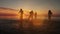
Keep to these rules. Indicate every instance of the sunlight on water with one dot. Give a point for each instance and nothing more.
(37, 25)
(26, 23)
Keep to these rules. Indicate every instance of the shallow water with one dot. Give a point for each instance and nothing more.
(38, 26)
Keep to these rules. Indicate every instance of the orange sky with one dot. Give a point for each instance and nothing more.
(11, 13)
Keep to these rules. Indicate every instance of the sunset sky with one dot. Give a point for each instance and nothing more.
(31, 4)
(40, 6)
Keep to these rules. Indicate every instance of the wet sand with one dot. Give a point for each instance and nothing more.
(46, 27)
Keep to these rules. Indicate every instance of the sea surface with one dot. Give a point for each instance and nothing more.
(35, 26)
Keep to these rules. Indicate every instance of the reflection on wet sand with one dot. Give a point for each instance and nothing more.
(38, 26)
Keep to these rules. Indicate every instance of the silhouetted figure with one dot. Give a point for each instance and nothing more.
(21, 19)
(49, 15)
(21, 14)
(31, 15)
(31, 20)
(35, 15)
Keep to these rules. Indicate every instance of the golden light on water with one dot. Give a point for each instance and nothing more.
(36, 22)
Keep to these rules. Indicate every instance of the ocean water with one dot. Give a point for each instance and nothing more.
(37, 26)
